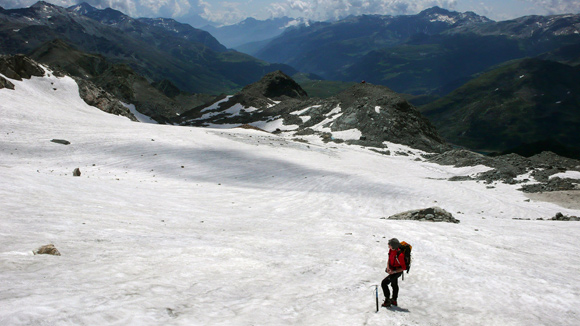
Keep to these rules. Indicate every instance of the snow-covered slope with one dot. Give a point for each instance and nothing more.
(188, 226)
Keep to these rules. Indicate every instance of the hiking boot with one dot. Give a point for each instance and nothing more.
(387, 303)
(393, 302)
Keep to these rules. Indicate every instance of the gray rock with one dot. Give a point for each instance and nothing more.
(433, 214)
(561, 217)
(76, 172)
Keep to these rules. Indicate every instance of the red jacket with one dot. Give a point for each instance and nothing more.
(396, 260)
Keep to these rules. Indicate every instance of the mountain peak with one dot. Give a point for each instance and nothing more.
(435, 11)
(435, 14)
(82, 8)
(43, 4)
(275, 85)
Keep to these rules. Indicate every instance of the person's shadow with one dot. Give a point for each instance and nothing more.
(396, 308)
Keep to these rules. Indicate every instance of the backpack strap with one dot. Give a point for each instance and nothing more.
(397, 259)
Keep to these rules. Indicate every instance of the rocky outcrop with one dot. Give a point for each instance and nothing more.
(365, 114)
(19, 67)
(276, 86)
(5, 83)
(104, 84)
(383, 115)
(558, 217)
(562, 217)
(432, 214)
(507, 168)
(98, 97)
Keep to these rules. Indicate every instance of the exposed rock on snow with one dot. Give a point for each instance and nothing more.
(98, 97)
(49, 249)
(561, 217)
(365, 114)
(19, 67)
(459, 158)
(5, 83)
(507, 168)
(432, 214)
(60, 141)
(554, 184)
(76, 172)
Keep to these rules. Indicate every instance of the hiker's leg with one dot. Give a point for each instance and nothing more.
(395, 285)
(385, 286)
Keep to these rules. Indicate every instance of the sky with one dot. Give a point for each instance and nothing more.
(233, 11)
(180, 226)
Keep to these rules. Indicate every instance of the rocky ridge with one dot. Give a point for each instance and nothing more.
(539, 169)
(365, 114)
(20, 67)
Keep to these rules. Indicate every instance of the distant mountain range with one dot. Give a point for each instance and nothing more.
(488, 86)
(432, 52)
(155, 48)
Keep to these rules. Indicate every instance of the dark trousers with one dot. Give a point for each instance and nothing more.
(393, 280)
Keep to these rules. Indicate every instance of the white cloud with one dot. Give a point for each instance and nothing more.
(333, 9)
(232, 11)
(226, 13)
(556, 6)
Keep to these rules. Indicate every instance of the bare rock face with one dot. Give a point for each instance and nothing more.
(275, 85)
(76, 172)
(5, 83)
(19, 67)
(432, 214)
(97, 97)
(49, 249)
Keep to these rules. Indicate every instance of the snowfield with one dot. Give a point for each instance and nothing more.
(175, 225)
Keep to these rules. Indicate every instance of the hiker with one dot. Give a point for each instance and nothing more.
(395, 267)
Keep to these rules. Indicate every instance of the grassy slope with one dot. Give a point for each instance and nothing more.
(525, 101)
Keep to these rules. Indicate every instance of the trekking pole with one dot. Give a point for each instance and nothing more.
(377, 296)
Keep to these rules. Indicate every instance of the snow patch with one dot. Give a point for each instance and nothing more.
(140, 116)
(216, 105)
(271, 126)
(351, 134)
(567, 174)
(300, 112)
